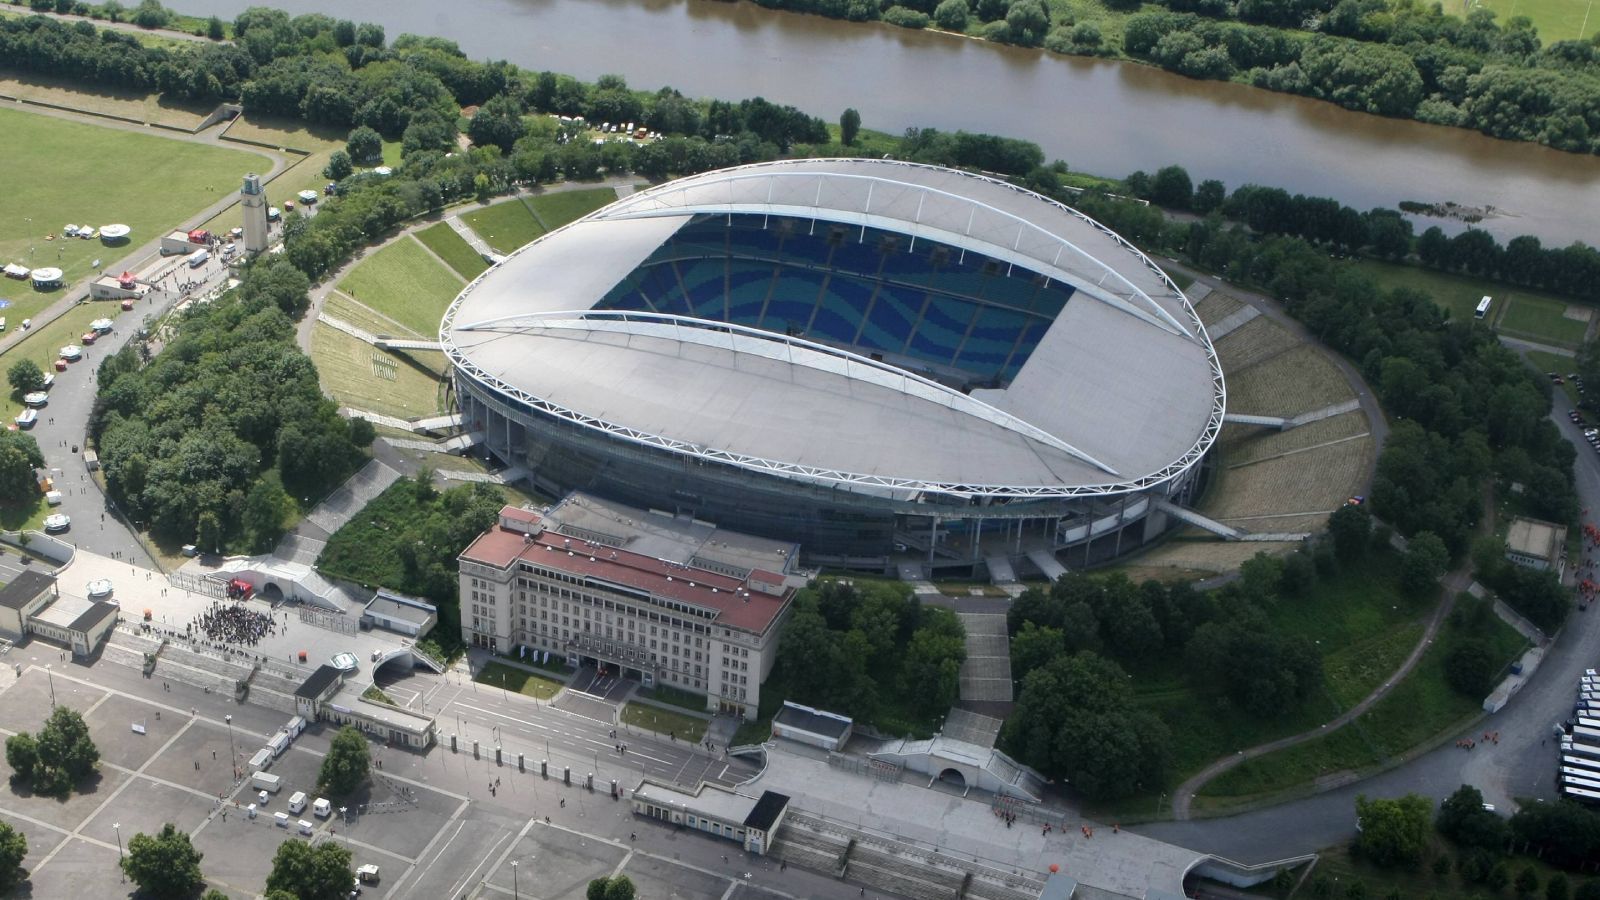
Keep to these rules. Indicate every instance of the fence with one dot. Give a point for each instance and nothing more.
(198, 584)
(327, 620)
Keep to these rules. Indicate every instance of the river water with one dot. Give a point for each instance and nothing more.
(1100, 116)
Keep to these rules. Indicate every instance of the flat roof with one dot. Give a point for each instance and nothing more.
(815, 721)
(392, 608)
(92, 617)
(317, 683)
(1532, 537)
(64, 610)
(707, 799)
(681, 539)
(767, 810)
(25, 588)
(1123, 388)
(348, 698)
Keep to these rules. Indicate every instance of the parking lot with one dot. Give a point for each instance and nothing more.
(438, 825)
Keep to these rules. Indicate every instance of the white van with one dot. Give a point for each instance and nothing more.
(199, 258)
(322, 808)
(297, 802)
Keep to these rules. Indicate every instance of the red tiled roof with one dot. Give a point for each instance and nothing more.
(765, 577)
(755, 612)
(518, 514)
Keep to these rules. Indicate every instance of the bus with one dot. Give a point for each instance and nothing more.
(1483, 307)
(1582, 795)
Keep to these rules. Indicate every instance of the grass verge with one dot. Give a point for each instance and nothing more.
(675, 697)
(522, 681)
(685, 728)
(557, 209)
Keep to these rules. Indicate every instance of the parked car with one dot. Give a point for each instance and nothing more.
(57, 523)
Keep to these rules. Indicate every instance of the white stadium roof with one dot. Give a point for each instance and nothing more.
(1123, 391)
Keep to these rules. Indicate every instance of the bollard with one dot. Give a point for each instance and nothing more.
(566, 775)
(453, 748)
(475, 750)
(588, 782)
(520, 766)
(613, 787)
(497, 754)
(544, 769)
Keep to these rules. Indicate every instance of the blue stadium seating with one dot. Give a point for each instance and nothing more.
(864, 291)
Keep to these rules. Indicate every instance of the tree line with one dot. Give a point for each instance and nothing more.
(215, 439)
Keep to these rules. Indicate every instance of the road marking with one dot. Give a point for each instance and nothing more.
(460, 886)
(622, 863)
(460, 808)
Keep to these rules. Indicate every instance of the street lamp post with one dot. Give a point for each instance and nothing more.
(232, 753)
(52, 679)
(516, 892)
(117, 827)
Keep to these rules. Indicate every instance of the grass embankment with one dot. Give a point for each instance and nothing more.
(362, 376)
(60, 172)
(557, 209)
(406, 283)
(102, 100)
(518, 680)
(1420, 709)
(453, 249)
(1518, 312)
(1361, 622)
(505, 226)
(683, 727)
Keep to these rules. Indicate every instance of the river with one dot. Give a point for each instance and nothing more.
(1100, 116)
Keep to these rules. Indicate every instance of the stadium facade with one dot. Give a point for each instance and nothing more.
(883, 361)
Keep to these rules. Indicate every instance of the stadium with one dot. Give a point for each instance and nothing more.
(889, 363)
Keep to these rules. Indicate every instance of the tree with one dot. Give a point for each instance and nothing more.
(1424, 561)
(1464, 821)
(952, 15)
(22, 755)
(163, 865)
(364, 145)
(13, 848)
(66, 754)
(497, 123)
(19, 457)
(1351, 529)
(311, 873)
(1558, 888)
(1394, 832)
(25, 376)
(1208, 195)
(1527, 882)
(339, 166)
(1469, 667)
(1172, 188)
(849, 125)
(617, 887)
(214, 29)
(347, 762)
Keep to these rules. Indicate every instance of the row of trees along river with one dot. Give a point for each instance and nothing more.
(1100, 116)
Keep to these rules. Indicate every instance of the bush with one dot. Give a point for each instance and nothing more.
(952, 15)
(906, 18)
(1469, 667)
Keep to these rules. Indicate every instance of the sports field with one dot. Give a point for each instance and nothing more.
(1557, 20)
(504, 226)
(406, 283)
(59, 172)
(1544, 319)
(453, 249)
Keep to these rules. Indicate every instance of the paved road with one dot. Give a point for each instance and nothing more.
(1521, 765)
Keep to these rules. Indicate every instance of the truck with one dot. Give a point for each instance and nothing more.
(199, 258)
(266, 781)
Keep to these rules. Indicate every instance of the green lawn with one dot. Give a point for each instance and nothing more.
(360, 375)
(404, 282)
(512, 678)
(505, 226)
(675, 697)
(1557, 20)
(304, 173)
(453, 249)
(556, 210)
(1419, 709)
(1539, 317)
(689, 729)
(1543, 319)
(59, 172)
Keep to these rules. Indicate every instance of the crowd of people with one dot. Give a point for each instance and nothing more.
(234, 623)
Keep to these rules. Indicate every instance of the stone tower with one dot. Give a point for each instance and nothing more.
(254, 202)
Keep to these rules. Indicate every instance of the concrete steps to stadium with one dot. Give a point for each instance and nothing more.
(908, 878)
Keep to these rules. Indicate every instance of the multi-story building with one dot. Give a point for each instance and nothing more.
(662, 599)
